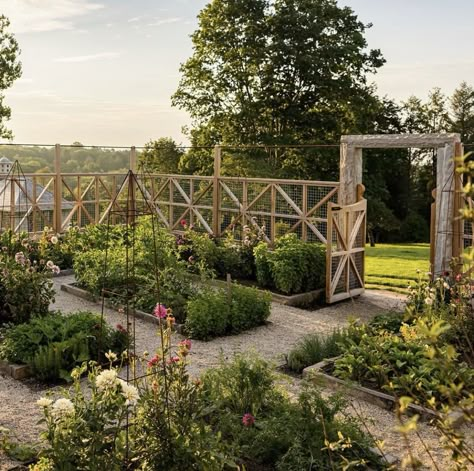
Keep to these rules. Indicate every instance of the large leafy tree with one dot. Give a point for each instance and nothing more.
(462, 112)
(10, 70)
(277, 72)
(161, 156)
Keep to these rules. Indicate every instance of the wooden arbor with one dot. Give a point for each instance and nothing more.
(447, 233)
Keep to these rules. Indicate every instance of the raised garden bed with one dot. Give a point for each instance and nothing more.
(320, 373)
(83, 294)
(296, 300)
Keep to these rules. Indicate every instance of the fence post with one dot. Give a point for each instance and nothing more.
(433, 234)
(216, 192)
(133, 159)
(458, 222)
(58, 213)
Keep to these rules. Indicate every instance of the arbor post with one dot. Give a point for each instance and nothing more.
(350, 173)
(216, 191)
(58, 213)
(133, 159)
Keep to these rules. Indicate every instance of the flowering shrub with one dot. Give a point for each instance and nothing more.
(26, 288)
(53, 345)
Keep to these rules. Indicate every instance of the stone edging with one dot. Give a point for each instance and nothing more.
(380, 399)
(83, 294)
(14, 370)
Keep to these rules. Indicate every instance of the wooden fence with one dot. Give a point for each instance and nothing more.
(213, 204)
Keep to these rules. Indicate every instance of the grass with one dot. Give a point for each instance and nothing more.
(393, 267)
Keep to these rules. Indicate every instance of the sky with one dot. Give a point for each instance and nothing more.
(102, 72)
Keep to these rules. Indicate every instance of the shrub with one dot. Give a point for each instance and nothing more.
(217, 312)
(26, 288)
(249, 308)
(208, 314)
(54, 344)
(390, 321)
(293, 266)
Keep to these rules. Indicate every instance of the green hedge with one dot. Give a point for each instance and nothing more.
(216, 312)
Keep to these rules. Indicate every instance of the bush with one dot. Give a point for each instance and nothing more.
(249, 308)
(214, 312)
(53, 345)
(26, 288)
(268, 431)
(208, 315)
(317, 347)
(293, 266)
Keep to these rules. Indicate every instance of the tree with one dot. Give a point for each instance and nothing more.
(277, 72)
(161, 156)
(10, 70)
(462, 110)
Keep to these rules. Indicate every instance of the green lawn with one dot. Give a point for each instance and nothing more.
(394, 266)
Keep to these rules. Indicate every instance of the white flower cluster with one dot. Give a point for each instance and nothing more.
(62, 408)
(108, 380)
(130, 393)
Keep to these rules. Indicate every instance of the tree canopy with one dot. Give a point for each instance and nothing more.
(277, 72)
(10, 70)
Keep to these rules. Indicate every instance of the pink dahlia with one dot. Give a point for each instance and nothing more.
(160, 311)
(248, 419)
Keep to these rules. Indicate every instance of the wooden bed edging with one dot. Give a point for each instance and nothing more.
(380, 399)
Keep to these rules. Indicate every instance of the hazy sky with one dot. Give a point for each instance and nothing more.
(102, 71)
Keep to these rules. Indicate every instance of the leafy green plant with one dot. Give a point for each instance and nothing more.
(219, 312)
(54, 344)
(269, 431)
(293, 266)
(26, 288)
(208, 314)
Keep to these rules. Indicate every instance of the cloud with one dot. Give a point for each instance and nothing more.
(135, 19)
(165, 21)
(33, 16)
(88, 58)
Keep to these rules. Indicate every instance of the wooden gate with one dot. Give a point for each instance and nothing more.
(345, 251)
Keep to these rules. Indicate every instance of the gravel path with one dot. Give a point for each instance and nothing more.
(287, 325)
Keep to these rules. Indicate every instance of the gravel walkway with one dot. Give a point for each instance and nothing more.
(287, 325)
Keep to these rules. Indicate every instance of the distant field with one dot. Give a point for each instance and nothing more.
(393, 266)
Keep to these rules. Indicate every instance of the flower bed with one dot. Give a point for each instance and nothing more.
(233, 416)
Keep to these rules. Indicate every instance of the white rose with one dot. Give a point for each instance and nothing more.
(54, 240)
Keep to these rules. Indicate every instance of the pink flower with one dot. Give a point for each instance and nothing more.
(20, 258)
(121, 328)
(248, 419)
(183, 222)
(153, 361)
(458, 277)
(174, 359)
(185, 344)
(160, 311)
